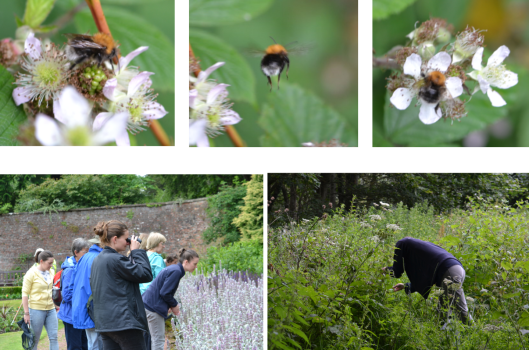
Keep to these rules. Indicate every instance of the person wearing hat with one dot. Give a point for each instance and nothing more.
(75, 338)
(39, 310)
(54, 266)
(81, 292)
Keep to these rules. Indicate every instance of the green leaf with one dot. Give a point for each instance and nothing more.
(524, 319)
(281, 312)
(236, 72)
(293, 116)
(385, 8)
(281, 345)
(37, 11)
(131, 31)
(221, 12)
(511, 295)
(497, 314)
(297, 332)
(11, 116)
(506, 265)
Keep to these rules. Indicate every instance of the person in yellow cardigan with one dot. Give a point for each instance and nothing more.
(35, 257)
(39, 310)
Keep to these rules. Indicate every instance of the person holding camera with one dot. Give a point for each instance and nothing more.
(118, 310)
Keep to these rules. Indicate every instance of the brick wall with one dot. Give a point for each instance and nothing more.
(181, 223)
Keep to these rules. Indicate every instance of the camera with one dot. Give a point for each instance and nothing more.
(128, 240)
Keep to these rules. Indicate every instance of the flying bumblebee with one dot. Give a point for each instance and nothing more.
(276, 58)
(100, 48)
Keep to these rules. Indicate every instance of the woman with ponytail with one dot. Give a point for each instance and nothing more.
(119, 314)
(159, 297)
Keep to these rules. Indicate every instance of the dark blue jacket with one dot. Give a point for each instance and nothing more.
(159, 297)
(68, 266)
(425, 264)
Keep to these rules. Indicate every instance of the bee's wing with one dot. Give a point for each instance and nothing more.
(81, 41)
(253, 52)
(297, 49)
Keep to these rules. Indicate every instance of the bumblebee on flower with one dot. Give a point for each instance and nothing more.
(431, 86)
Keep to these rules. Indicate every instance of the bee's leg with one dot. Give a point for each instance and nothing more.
(269, 82)
(288, 66)
(78, 61)
(437, 108)
(278, 78)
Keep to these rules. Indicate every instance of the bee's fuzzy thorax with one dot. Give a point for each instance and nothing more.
(437, 78)
(275, 49)
(105, 40)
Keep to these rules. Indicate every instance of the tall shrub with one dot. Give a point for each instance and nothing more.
(250, 220)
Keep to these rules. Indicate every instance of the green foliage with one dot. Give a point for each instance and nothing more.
(325, 282)
(250, 220)
(171, 187)
(385, 8)
(36, 12)
(6, 208)
(130, 214)
(34, 228)
(239, 256)
(222, 209)
(11, 116)
(82, 191)
(222, 12)
(10, 290)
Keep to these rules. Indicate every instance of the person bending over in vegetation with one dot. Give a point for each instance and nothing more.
(427, 264)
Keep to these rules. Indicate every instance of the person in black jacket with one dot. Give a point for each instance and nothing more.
(427, 264)
(159, 297)
(118, 311)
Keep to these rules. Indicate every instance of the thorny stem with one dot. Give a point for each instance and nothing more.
(230, 130)
(102, 26)
(388, 60)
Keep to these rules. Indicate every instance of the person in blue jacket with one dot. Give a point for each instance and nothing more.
(81, 292)
(159, 299)
(75, 338)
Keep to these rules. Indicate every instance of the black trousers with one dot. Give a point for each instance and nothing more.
(75, 338)
(130, 339)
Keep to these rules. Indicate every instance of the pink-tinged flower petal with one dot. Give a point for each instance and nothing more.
(57, 112)
(401, 98)
(230, 118)
(108, 89)
(21, 95)
(155, 111)
(193, 94)
(124, 61)
(123, 139)
(440, 62)
(477, 59)
(203, 75)
(215, 92)
(428, 115)
(498, 56)
(100, 120)
(32, 46)
(412, 66)
(138, 81)
(495, 98)
(47, 131)
(307, 144)
(197, 133)
(113, 129)
(454, 86)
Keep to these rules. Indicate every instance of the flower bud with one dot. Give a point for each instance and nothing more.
(426, 50)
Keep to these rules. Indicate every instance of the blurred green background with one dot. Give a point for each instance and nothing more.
(328, 70)
(145, 23)
(506, 23)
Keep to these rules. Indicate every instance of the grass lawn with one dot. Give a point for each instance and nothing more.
(12, 340)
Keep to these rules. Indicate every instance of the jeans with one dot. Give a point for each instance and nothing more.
(48, 319)
(130, 339)
(453, 296)
(75, 338)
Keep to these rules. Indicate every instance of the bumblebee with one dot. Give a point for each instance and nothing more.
(100, 48)
(274, 61)
(433, 88)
